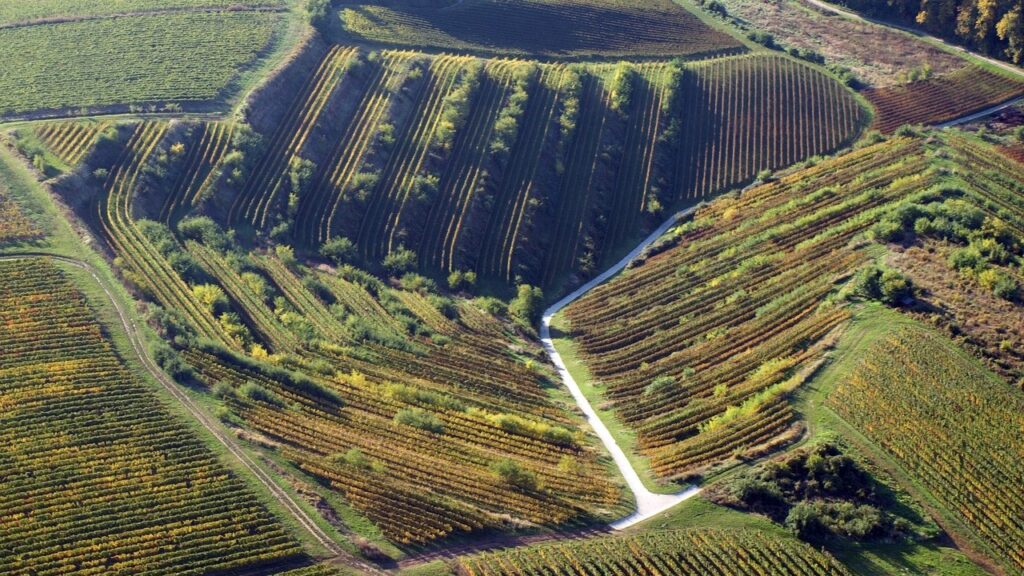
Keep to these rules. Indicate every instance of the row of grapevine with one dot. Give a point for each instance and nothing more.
(578, 179)
(943, 98)
(319, 209)
(204, 153)
(107, 481)
(70, 141)
(572, 200)
(954, 426)
(465, 173)
(635, 181)
(147, 267)
(513, 194)
(262, 189)
(675, 553)
(754, 113)
(475, 406)
(581, 28)
(697, 345)
(403, 174)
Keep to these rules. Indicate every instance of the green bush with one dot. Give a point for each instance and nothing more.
(525, 308)
(257, 393)
(339, 250)
(400, 262)
(419, 418)
(511, 473)
(812, 521)
(1001, 283)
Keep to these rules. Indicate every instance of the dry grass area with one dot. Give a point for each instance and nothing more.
(877, 55)
(988, 326)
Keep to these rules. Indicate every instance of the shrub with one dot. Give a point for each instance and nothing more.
(257, 393)
(419, 418)
(317, 11)
(492, 306)
(459, 280)
(813, 520)
(1000, 283)
(286, 254)
(399, 262)
(339, 250)
(622, 87)
(883, 284)
(967, 259)
(170, 361)
(660, 385)
(510, 472)
(211, 296)
(222, 390)
(526, 307)
(355, 458)
(205, 231)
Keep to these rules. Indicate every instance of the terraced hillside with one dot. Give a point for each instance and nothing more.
(677, 553)
(523, 171)
(99, 477)
(356, 382)
(550, 28)
(698, 346)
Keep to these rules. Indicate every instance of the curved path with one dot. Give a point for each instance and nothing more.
(142, 353)
(648, 503)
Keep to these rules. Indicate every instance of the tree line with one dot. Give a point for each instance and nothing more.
(994, 27)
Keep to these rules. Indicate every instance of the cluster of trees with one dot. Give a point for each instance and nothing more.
(986, 247)
(994, 27)
(818, 493)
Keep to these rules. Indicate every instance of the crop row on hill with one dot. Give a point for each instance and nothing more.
(101, 479)
(185, 58)
(943, 98)
(675, 553)
(521, 170)
(268, 178)
(377, 377)
(699, 345)
(70, 141)
(553, 28)
(953, 425)
(204, 151)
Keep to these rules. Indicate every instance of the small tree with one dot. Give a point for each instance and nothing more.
(399, 262)
(317, 10)
(511, 473)
(339, 250)
(526, 307)
(286, 254)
